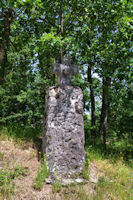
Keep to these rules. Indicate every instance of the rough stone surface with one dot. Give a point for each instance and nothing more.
(63, 140)
(66, 181)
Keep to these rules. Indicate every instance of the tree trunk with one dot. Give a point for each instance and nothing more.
(105, 108)
(7, 19)
(93, 118)
(62, 28)
(54, 79)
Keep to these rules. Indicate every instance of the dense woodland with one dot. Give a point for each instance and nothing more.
(97, 36)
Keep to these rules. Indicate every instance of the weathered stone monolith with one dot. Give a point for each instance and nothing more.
(63, 139)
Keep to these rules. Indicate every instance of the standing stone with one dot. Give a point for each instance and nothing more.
(63, 139)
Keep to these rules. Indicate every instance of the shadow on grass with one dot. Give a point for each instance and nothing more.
(24, 134)
(115, 149)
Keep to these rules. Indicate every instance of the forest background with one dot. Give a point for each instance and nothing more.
(97, 36)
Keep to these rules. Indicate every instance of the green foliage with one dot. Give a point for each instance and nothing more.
(42, 174)
(25, 109)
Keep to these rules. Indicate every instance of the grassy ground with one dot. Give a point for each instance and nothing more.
(110, 176)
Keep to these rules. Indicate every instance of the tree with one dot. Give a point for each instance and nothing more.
(95, 35)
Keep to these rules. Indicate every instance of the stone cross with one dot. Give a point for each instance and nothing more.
(65, 71)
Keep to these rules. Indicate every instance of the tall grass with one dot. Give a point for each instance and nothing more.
(42, 174)
(19, 131)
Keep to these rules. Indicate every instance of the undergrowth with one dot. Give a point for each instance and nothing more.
(20, 132)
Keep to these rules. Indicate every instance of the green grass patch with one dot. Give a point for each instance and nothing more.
(74, 192)
(1, 156)
(7, 181)
(85, 171)
(6, 185)
(42, 174)
(57, 185)
(107, 189)
(117, 181)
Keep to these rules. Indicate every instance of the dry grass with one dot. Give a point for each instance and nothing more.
(27, 159)
(108, 180)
